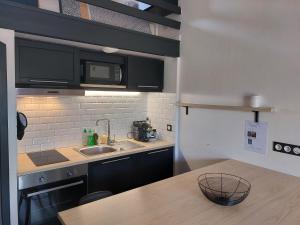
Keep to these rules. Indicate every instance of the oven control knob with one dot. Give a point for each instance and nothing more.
(42, 180)
(69, 174)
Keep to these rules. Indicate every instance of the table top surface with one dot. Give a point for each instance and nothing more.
(274, 199)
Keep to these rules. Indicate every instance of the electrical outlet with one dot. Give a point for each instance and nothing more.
(286, 148)
(169, 127)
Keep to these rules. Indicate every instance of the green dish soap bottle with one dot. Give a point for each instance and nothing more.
(91, 139)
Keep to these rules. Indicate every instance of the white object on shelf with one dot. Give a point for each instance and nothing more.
(256, 101)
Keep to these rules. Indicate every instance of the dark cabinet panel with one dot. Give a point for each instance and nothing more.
(45, 64)
(124, 173)
(145, 74)
(155, 166)
(115, 175)
(27, 2)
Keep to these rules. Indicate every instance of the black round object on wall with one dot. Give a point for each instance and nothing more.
(21, 125)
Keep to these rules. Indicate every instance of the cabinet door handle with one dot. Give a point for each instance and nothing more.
(144, 86)
(156, 152)
(116, 160)
(49, 81)
(55, 188)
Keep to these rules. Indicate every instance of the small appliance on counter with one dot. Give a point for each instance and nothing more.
(143, 131)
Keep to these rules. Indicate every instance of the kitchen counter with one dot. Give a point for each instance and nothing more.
(274, 199)
(26, 166)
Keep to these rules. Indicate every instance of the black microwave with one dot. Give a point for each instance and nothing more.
(102, 74)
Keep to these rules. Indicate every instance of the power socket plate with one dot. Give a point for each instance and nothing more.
(286, 148)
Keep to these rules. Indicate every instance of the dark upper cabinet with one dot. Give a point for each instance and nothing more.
(124, 173)
(145, 74)
(46, 65)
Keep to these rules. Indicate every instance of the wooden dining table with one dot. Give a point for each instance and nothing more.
(274, 199)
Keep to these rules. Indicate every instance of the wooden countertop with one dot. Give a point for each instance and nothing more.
(273, 200)
(26, 166)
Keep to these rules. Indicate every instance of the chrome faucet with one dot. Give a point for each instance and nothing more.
(109, 141)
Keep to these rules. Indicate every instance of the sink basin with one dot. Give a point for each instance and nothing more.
(127, 145)
(97, 150)
(118, 146)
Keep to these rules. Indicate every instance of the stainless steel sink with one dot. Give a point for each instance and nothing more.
(97, 150)
(117, 146)
(127, 145)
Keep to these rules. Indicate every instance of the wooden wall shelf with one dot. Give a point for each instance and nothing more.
(228, 108)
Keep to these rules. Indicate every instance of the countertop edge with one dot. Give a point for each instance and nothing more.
(95, 159)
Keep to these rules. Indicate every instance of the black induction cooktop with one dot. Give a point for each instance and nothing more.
(48, 157)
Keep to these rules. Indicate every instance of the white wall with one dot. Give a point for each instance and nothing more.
(7, 37)
(229, 49)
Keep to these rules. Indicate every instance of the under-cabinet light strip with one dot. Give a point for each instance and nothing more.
(111, 93)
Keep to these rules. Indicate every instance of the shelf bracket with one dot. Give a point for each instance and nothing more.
(256, 116)
(186, 110)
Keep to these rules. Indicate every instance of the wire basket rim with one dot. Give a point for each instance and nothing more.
(204, 176)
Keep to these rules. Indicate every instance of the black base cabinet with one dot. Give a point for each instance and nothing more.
(115, 175)
(155, 166)
(124, 173)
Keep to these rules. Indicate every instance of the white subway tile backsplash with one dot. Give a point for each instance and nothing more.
(59, 121)
(162, 111)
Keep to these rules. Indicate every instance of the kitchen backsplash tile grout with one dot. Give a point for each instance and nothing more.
(59, 121)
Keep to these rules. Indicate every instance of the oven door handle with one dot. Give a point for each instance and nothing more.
(54, 189)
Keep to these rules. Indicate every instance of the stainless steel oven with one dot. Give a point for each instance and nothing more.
(42, 195)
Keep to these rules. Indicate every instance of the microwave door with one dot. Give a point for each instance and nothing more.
(103, 73)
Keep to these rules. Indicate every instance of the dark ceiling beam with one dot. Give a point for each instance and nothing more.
(26, 19)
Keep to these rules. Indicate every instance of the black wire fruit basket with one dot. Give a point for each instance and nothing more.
(224, 189)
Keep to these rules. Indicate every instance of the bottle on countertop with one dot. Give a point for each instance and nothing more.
(96, 137)
(103, 139)
(84, 137)
(91, 139)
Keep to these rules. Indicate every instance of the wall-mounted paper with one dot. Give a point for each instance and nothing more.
(256, 136)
